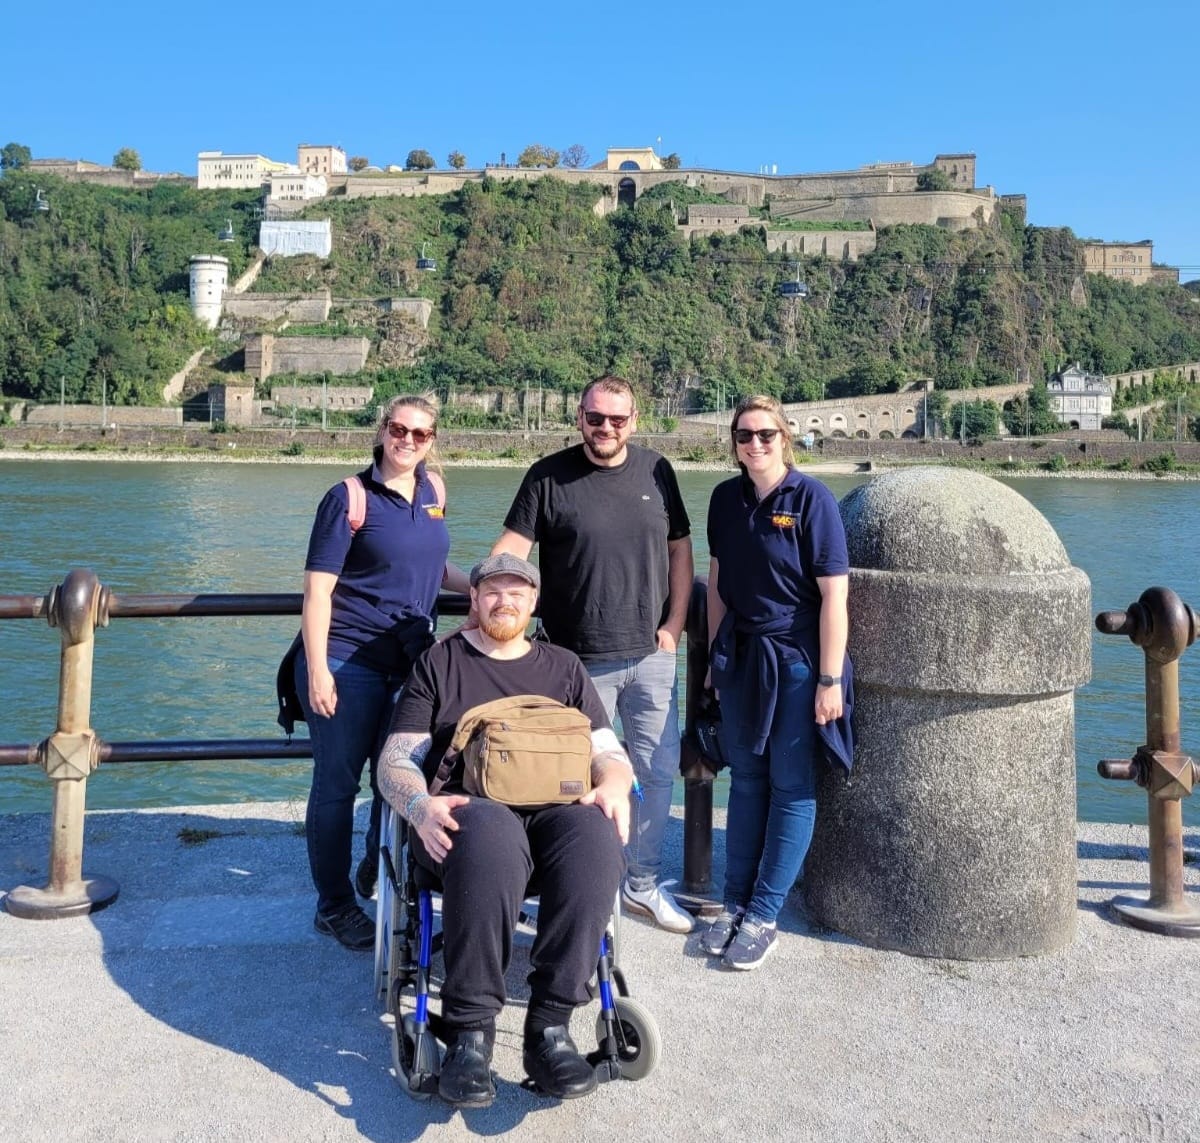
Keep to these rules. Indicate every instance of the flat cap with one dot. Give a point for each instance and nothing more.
(505, 563)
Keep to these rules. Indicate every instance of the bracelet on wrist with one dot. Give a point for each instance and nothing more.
(829, 680)
(412, 803)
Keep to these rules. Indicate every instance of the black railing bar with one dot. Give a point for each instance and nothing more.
(175, 750)
(22, 606)
(151, 606)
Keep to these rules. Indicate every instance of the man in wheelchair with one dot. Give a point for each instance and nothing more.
(486, 853)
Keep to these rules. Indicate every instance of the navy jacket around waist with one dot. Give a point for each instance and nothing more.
(754, 653)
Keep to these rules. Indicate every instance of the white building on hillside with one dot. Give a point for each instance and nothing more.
(296, 188)
(1080, 400)
(213, 169)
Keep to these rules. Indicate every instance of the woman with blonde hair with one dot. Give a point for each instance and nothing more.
(377, 559)
(777, 588)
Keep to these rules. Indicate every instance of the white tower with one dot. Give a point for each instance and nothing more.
(209, 275)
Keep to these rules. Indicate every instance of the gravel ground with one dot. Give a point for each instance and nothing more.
(202, 1006)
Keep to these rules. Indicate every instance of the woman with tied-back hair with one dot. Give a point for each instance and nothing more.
(370, 604)
(777, 588)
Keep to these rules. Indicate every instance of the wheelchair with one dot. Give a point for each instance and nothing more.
(628, 1042)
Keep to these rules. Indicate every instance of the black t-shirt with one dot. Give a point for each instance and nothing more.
(453, 676)
(602, 546)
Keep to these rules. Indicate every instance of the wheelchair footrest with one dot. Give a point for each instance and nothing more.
(605, 1066)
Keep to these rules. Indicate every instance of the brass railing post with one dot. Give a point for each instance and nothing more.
(1164, 627)
(69, 755)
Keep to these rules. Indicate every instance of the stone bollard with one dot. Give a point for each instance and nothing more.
(969, 630)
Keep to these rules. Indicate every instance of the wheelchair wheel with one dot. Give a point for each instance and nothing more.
(638, 1039)
(416, 1071)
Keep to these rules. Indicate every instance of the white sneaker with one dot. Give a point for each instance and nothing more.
(659, 905)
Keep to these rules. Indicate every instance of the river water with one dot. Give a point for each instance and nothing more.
(243, 528)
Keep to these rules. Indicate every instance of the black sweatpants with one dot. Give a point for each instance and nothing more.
(573, 855)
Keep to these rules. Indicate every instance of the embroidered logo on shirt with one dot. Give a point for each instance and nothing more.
(435, 511)
(783, 520)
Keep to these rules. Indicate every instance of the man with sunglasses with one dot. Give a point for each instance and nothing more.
(615, 550)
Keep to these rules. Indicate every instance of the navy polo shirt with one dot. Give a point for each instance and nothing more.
(389, 572)
(772, 551)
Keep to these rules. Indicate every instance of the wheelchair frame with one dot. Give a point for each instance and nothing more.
(628, 1042)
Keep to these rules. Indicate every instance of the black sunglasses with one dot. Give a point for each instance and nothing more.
(597, 419)
(419, 436)
(745, 436)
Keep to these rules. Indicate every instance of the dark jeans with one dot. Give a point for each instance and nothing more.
(342, 746)
(772, 796)
(575, 857)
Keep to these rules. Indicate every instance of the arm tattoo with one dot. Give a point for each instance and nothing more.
(400, 775)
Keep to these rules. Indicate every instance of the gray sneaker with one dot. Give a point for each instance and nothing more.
(751, 946)
(722, 931)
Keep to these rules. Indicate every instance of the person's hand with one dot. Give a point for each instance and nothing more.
(611, 797)
(828, 707)
(433, 819)
(322, 691)
(666, 641)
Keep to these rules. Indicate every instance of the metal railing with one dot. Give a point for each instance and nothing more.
(80, 604)
(1163, 626)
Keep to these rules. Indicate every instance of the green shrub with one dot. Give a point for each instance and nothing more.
(1057, 463)
(218, 427)
(1125, 464)
(1164, 462)
(293, 448)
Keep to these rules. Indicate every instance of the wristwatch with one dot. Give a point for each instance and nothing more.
(829, 680)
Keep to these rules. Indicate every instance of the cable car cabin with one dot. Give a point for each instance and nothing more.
(426, 263)
(793, 290)
(227, 235)
(39, 201)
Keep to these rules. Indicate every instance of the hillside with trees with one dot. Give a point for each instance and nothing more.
(534, 288)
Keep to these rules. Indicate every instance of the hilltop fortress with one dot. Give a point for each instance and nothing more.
(881, 194)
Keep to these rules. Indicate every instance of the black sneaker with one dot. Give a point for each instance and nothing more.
(364, 878)
(349, 926)
(555, 1066)
(466, 1076)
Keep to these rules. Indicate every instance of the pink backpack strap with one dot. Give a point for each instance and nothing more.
(356, 508)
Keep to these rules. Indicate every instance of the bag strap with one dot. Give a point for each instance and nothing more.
(356, 507)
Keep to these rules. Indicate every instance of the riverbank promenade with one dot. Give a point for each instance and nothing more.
(202, 1006)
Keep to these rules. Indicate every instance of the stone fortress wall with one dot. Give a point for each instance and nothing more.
(271, 307)
(885, 193)
(268, 354)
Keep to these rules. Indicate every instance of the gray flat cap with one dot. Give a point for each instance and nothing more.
(506, 564)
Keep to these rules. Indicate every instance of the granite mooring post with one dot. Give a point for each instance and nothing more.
(969, 630)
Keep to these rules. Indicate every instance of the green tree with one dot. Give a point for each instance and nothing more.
(419, 160)
(457, 160)
(982, 420)
(359, 163)
(13, 156)
(127, 159)
(1029, 414)
(934, 179)
(671, 162)
(575, 156)
(537, 155)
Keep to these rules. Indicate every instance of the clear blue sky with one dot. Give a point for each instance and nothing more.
(1087, 108)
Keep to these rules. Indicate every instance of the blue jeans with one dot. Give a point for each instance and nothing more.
(645, 695)
(772, 796)
(342, 745)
